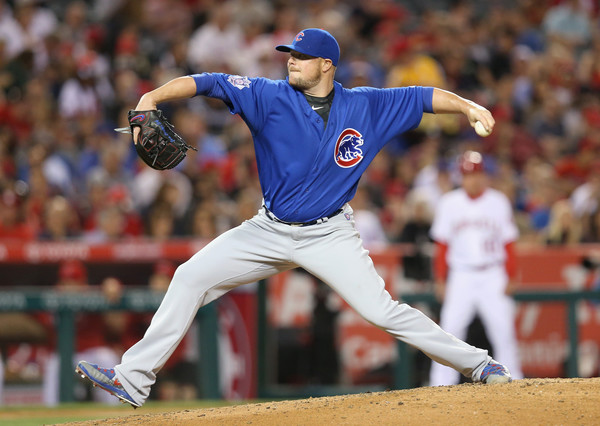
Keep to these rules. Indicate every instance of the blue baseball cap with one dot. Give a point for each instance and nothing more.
(314, 42)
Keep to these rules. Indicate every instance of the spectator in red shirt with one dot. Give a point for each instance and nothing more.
(13, 224)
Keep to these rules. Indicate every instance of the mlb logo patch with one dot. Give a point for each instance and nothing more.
(239, 81)
(347, 216)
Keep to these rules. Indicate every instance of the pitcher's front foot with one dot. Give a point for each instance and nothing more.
(105, 379)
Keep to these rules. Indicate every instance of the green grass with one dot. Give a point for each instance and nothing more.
(28, 415)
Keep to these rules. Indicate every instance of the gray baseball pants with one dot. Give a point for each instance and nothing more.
(259, 248)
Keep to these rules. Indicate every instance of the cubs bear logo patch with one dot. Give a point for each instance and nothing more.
(347, 152)
(239, 81)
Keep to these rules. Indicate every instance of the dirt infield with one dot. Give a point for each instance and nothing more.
(529, 401)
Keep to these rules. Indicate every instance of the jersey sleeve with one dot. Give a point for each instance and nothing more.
(440, 228)
(510, 232)
(398, 110)
(248, 97)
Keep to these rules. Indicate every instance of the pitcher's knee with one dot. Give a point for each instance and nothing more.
(182, 275)
(188, 276)
(196, 279)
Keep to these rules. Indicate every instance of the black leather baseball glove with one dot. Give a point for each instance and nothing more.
(158, 144)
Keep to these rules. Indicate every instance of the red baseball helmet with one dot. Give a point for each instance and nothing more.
(471, 162)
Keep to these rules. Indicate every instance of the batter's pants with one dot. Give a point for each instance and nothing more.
(259, 248)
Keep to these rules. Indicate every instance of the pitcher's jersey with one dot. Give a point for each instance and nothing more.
(308, 171)
(474, 229)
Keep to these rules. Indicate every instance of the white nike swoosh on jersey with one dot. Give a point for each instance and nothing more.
(316, 108)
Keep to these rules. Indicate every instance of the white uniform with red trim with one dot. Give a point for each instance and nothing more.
(476, 231)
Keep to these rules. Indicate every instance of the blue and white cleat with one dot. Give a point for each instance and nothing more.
(494, 373)
(105, 379)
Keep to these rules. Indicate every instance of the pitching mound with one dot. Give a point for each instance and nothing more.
(529, 401)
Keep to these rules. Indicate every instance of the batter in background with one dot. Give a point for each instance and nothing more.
(313, 140)
(475, 265)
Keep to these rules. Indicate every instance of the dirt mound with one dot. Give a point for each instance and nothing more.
(529, 401)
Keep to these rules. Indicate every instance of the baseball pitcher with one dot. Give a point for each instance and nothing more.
(313, 140)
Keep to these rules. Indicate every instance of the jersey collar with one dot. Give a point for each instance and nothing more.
(337, 87)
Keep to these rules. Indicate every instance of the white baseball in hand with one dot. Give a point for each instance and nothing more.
(480, 129)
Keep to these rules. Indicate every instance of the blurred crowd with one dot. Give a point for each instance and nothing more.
(70, 70)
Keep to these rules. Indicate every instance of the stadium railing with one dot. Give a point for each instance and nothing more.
(65, 306)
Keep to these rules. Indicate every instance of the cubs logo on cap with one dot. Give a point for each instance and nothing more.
(314, 42)
(347, 152)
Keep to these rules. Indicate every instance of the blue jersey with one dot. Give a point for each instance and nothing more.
(307, 171)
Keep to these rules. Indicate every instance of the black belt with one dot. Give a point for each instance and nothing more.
(274, 218)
